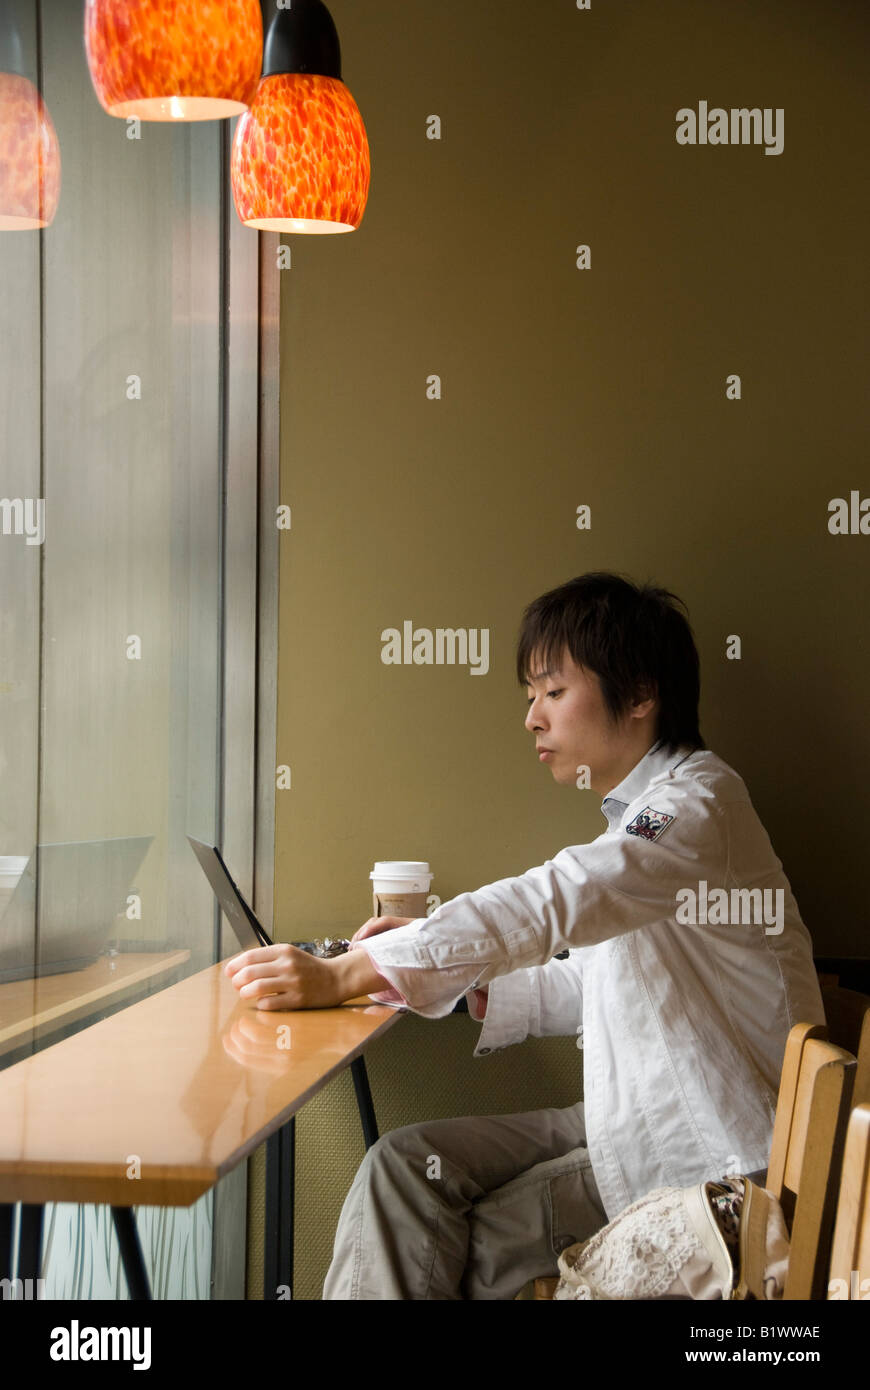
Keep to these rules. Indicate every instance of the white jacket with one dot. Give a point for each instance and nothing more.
(682, 1023)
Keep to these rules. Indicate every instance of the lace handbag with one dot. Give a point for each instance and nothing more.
(724, 1239)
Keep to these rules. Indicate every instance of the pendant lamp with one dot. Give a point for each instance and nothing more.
(174, 60)
(29, 149)
(300, 159)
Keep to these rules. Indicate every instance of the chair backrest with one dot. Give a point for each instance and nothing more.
(807, 1149)
(850, 1253)
(786, 1106)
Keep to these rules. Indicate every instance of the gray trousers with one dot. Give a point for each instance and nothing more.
(469, 1208)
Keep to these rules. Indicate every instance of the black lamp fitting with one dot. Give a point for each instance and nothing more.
(302, 38)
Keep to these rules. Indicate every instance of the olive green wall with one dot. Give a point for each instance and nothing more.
(563, 387)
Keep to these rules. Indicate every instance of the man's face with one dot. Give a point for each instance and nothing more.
(569, 719)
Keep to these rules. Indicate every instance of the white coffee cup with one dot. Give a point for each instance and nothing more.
(400, 887)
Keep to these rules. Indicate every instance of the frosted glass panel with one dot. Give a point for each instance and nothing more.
(81, 1258)
(112, 422)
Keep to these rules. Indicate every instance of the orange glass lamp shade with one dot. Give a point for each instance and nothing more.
(300, 160)
(174, 60)
(29, 157)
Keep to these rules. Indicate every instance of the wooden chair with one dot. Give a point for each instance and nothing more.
(545, 1288)
(850, 1257)
(848, 1029)
(809, 1130)
(806, 1152)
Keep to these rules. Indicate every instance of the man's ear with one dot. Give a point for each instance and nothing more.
(645, 699)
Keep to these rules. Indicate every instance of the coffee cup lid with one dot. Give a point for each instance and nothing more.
(400, 868)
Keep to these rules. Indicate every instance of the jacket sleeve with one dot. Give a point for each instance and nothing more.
(542, 1001)
(585, 895)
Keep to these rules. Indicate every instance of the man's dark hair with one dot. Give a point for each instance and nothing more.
(633, 637)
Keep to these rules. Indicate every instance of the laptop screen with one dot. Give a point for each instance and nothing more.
(248, 930)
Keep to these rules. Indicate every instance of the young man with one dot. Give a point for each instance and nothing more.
(688, 964)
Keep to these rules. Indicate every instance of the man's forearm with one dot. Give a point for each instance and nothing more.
(356, 975)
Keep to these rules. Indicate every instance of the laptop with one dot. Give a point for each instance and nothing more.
(249, 932)
(82, 890)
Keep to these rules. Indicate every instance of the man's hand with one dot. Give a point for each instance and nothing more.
(283, 977)
(375, 925)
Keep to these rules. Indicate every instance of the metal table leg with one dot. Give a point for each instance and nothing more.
(364, 1101)
(131, 1254)
(7, 1219)
(280, 1181)
(30, 1242)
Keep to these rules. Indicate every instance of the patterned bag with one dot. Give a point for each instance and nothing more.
(724, 1239)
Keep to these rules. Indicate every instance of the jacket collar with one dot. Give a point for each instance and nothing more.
(654, 763)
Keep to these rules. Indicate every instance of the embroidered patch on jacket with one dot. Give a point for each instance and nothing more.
(649, 824)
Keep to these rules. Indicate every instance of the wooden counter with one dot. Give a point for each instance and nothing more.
(188, 1082)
